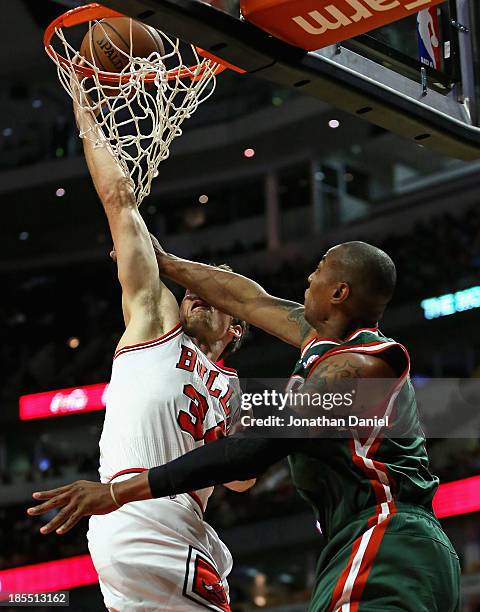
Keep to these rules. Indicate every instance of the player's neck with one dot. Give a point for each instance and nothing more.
(341, 329)
(212, 350)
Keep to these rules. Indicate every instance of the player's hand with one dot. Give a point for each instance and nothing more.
(83, 106)
(81, 498)
(157, 247)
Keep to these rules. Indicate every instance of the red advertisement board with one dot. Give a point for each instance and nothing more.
(63, 401)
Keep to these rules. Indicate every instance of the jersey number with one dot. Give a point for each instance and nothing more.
(192, 421)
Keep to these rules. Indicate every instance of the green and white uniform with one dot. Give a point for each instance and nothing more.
(385, 550)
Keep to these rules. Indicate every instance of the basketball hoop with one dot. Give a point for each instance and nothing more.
(139, 110)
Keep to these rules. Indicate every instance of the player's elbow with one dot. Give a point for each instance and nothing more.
(117, 194)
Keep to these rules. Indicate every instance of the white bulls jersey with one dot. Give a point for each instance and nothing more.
(165, 399)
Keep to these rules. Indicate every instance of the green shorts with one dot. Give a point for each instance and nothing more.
(402, 563)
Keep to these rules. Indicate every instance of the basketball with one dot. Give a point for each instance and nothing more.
(110, 43)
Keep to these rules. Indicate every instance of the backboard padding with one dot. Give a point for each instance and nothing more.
(325, 74)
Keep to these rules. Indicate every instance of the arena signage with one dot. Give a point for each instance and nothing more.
(451, 303)
(59, 575)
(66, 401)
(62, 402)
(457, 497)
(314, 24)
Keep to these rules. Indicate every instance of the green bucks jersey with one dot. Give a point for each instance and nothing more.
(341, 477)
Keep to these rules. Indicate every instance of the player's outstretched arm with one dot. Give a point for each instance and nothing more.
(151, 308)
(238, 296)
(232, 458)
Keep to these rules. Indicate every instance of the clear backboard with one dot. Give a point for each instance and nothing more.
(390, 77)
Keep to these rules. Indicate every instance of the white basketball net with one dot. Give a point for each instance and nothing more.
(139, 116)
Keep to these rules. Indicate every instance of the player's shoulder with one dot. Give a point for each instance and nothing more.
(130, 345)
(366, 342)
(226, 371)
(372, 342)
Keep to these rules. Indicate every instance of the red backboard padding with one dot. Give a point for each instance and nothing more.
(314, 24)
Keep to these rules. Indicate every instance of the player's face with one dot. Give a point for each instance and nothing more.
(321, 284)
(202, 321)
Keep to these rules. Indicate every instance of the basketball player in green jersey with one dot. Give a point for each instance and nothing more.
(385, 551)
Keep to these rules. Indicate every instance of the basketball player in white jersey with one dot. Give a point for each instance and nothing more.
(166, 397)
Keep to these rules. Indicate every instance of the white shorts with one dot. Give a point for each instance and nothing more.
(158, 554)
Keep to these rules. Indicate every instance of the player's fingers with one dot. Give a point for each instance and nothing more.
(51, 493)
(218, 432)
(60, 518)
(55, 502)
(70, 522)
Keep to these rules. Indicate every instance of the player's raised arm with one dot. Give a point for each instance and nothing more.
(151, 308)
(238, 296)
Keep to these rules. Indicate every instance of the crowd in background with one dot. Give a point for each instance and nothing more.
(40, 127)
(43, 310)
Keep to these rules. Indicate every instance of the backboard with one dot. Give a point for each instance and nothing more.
(389, 77)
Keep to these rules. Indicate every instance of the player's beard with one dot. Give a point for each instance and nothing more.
(199, 324)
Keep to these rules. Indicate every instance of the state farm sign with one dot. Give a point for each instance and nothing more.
(63, 401)
(314, 24)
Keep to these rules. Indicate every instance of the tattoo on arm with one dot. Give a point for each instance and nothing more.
(296, 314)
(330, 374)
(366, 380)
(338, 377)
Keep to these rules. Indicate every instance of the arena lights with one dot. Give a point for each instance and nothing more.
(44, 464)
(451, 303)
(334, 124)
(60, 192)
(73, 342)
(203, 199)
(249, 153)
(62, 402)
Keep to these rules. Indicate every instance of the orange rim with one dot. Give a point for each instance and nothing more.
(95, 11)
